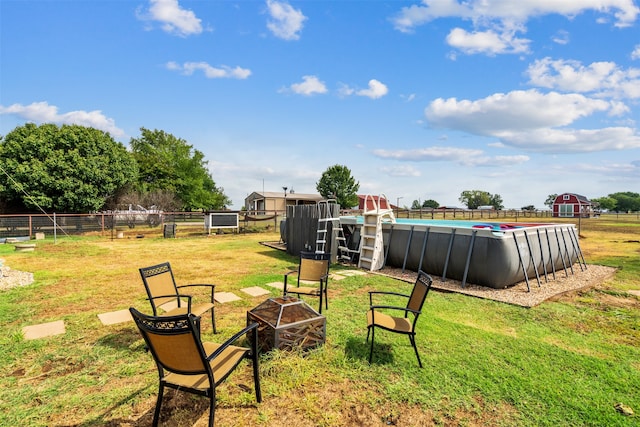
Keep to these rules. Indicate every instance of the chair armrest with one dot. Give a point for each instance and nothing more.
(391, 307)
(371, 293)
(231, 340)
(286, 276)
(213, 287)
(178, 296)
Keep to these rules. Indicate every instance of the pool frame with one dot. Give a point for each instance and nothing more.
(496, 255)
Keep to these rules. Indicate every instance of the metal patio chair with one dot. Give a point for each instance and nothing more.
(166, 298)
(186, 363)
(404, 324)
(312, 277)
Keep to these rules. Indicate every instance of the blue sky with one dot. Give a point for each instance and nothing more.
(419, 99)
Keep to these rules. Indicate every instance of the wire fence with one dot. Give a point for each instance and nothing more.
(119, 224)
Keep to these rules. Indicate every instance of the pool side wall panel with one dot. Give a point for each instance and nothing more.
(494, 261)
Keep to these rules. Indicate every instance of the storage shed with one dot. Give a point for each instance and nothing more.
(571, 205)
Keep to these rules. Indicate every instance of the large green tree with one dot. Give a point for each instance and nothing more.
(69, 169)
(605, 203)
(626, 201)
(337, 183)
(168, 163)
(430, 203)
(475, 198)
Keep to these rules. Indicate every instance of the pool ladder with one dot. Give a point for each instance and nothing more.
(375, 212)
(328, 213)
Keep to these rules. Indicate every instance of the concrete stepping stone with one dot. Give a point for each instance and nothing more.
(277, 285)
(635, 292)
(334, 276)
(353, 273)
(255, 291)
(43, 330)
(115, 317)
(223, 297)
(168, 306)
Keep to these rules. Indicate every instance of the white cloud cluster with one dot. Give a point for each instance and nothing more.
(462, 156)
(604, 79)
(496, 23)
(310, 85)
(173, 19)
(533, 121)
(286, 22)
(188, 68)
(42, 112)
(376, 89)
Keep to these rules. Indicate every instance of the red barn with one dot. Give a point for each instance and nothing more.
(570, 205)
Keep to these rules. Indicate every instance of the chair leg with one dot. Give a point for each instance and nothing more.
(255, 363)
(373, 335)
(256, 379)
(156, 413)
(213, 320)
(212, 407)
(412, 338)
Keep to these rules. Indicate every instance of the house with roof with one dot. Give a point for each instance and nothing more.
(267, 202)
(571, 205)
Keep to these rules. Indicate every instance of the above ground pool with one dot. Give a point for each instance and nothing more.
(491, 254)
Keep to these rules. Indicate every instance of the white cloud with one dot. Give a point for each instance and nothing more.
(496, 22)
(42, 112)
(489, 42)
(561, 37)
(286, 22)
(172, 17)
(188, 68)
(635, 54)
(310, 85)
(534, 121)
(375, 90)
(550, 140)
(601, 78)
(431, 154)
(462, 156)
(521, 110)
(482, 11)
(400, 170)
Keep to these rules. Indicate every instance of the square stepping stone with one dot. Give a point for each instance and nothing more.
(277, 285)
(255, 291)
(334, 276)
(168, 306)
(634, 292)
(353, 273)
(114, 317)
(223, 297)
(43, 330)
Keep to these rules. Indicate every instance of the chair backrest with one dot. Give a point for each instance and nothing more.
(158, 280)
(420, 291)
(174, 342)
(313, 266)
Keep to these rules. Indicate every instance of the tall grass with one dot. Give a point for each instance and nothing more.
(567, 362)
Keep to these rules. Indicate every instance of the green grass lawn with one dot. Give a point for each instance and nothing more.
(562, 363)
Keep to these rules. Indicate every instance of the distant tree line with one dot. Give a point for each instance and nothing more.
(473, 199)
(76, 169)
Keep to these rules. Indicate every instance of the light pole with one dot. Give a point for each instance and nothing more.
(285, 201)
(398, 205)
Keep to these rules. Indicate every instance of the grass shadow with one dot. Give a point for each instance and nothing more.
(358, 348)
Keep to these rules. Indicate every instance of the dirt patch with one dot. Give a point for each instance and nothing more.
(518, 294)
